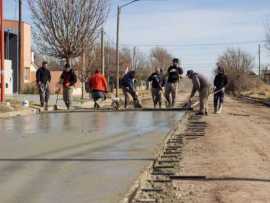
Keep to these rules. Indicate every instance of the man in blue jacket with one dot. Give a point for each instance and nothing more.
(128, 87)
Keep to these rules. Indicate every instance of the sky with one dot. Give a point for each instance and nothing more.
(196, 31)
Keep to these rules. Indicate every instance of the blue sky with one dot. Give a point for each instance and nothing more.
(186, 27)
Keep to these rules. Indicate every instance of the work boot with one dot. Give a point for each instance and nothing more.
(96, 105)
(137, 104)
(215, 109)
(46, 107)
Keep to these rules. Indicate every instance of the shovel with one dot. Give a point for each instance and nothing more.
(55, 107)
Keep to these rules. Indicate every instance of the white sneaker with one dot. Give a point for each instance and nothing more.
(220, 109)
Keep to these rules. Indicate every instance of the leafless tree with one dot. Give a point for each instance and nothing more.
(160, 58)
(238, 66)
(65, 28)
(268, 36)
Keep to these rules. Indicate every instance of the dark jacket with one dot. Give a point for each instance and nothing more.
(68, 78)
(220, 81)
(174, 73)
(43, 75)
(128, 81)
(156, 80)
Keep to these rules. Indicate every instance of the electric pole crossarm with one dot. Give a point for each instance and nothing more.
(124, 5)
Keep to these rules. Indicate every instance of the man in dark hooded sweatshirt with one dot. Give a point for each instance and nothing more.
(68, 79)
(43, 78)
(128, 87)
(174, 72)
(220, 83)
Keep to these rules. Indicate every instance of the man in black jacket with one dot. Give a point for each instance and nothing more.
(156, 83)
(220, 83)
(43, 78)
(173, 74)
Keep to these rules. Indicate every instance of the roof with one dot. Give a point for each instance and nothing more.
(16, 21)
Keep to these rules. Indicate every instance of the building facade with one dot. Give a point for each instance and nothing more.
(23, 74)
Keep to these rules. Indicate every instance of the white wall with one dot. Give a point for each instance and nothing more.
(8, 78)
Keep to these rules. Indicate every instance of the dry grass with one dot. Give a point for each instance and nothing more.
(261, 91)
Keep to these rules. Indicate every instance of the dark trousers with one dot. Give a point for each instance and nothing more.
(218, 99)
(170, 93)
(156, 96)
(44, 94)
(67, 96)
(129, 91)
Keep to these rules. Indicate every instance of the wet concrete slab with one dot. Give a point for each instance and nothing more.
(78, 157)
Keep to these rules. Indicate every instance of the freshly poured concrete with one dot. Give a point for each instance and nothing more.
(80, 157)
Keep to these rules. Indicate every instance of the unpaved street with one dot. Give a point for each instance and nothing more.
(77, 157)
(234, 155)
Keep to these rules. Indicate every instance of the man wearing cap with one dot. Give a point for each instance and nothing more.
(68, 79)
(43, 78)
(201, 85)
(173, 74)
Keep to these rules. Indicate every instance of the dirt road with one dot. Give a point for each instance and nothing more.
(234, 155)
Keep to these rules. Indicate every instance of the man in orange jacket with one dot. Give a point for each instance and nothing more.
(98, 86)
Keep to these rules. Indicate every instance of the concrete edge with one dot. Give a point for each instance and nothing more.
(24, 112)
(135, 187)
(259, 101)
(111, 110)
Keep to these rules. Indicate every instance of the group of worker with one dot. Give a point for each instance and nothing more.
(168, 81)
(67, 80)
(199, 82)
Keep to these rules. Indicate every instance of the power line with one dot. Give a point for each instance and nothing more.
(198, 45)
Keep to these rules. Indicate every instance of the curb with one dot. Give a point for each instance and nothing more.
(136, 186)
(12, 114)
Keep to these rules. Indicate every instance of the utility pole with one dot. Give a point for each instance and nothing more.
(19, 71)
(2, 56)
(117, 43)
(259, 53)
(83, 73)
(102, 52)
(117, 51)
(134, 59)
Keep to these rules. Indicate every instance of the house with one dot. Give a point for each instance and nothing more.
(8, 75)
(23, 74)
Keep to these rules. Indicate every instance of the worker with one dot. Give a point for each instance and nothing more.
(156, 90)
(174, 72)
(99, 87)
(220, 83)
(128, 87)
(201, 85)
(43, 78)
(68, 79)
